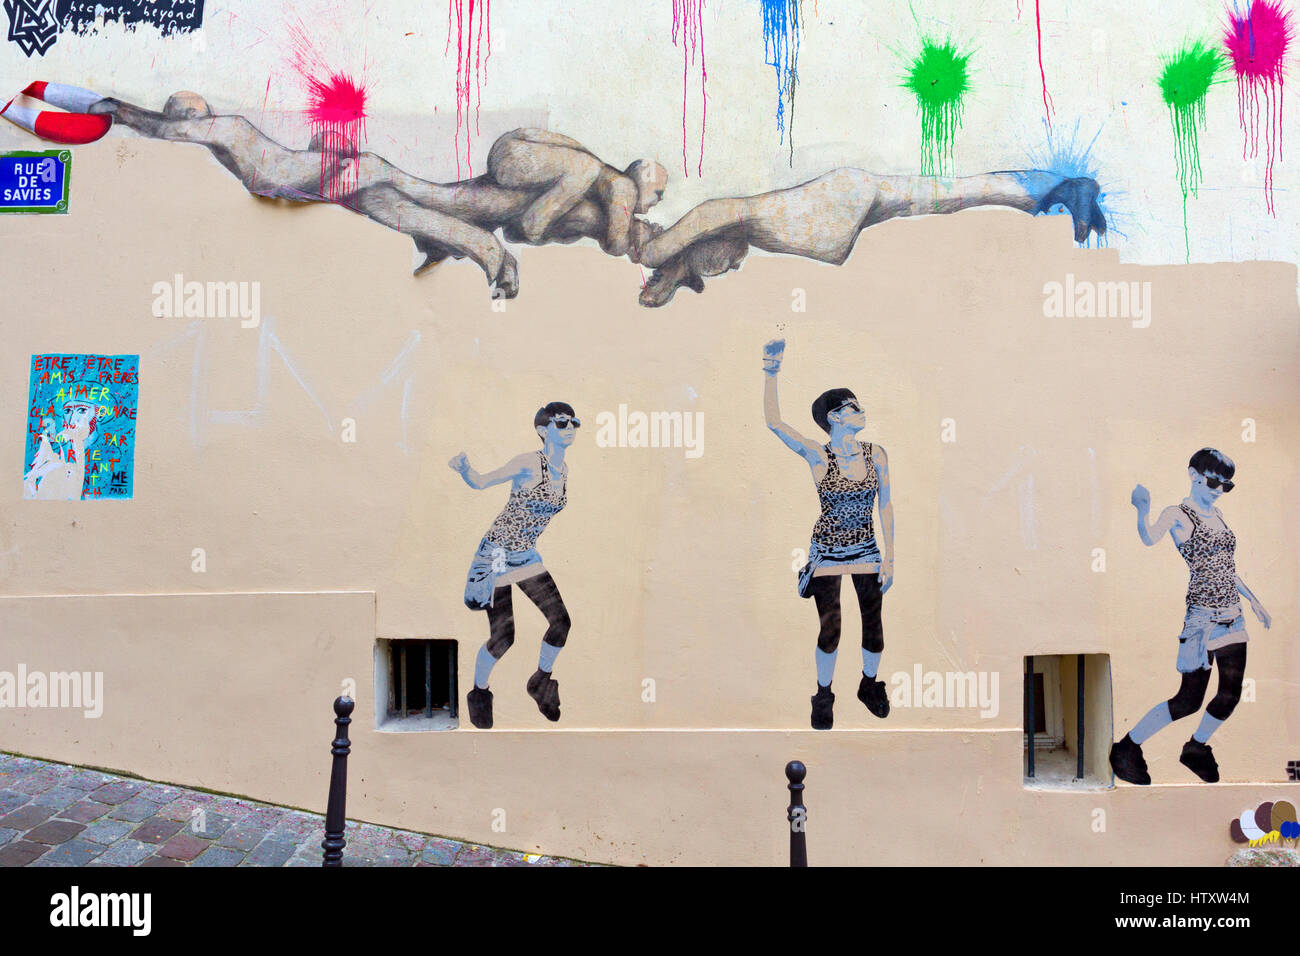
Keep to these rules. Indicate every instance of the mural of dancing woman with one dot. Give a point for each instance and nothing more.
(1214, 629)
(851, 478)
(507, 556)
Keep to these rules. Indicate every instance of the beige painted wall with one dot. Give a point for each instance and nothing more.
(230, 692)
(673, 569)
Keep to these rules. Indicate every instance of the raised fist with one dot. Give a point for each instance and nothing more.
(1141, 498)
(773, 352)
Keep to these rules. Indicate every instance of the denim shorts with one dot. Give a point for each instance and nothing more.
(490, 562)
(1206, 626)
(819, 557)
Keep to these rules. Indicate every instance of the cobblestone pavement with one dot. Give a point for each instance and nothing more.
(52, 814)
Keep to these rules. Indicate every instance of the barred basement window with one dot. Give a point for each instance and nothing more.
(416, 685)
(1067, 721)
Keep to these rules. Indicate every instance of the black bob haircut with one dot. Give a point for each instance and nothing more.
(1212, 460)
(827, 402)
(550, 410)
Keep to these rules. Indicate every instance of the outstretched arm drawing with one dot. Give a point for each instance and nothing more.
(821, 219)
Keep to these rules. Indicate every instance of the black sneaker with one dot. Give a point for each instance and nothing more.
(872, 692)
(1199, 759)
(822, 716)
(1128, 763)
(480, 707)
(546, 691)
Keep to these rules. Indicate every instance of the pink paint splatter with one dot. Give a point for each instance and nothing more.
(336, 112)
(1048, 108)
(1257, 43)
(688, 21)
(471, 64)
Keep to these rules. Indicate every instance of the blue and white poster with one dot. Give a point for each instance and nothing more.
(81, 426)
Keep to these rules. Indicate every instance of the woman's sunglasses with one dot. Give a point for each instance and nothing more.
(1217, 483)
(849, 406)
(563, 421)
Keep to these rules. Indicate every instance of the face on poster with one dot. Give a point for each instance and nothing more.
(81, 426)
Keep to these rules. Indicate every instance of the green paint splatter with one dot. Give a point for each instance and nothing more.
(939, 79)
(1184, 83)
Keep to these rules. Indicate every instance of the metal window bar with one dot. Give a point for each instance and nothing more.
(428, 678)
(400, 652)
(401, 679)
(1079, 735)
(1030, 709)
(452, 702)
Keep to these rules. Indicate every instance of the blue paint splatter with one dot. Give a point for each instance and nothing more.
(781, 24)
(1070, 158)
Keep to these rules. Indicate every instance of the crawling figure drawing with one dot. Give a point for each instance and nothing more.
(540, 186)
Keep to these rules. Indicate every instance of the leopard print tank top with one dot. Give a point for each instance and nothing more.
(527, 513)
(846, 504)
(1209, 556)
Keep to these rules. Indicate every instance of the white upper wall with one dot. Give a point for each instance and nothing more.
(610, 75)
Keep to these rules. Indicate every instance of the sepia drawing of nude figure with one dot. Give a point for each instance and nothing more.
(540, 187)
(821, 219)
(544, 187)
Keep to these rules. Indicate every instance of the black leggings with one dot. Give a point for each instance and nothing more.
(541, 590)
(826, 592)
(1232, 668)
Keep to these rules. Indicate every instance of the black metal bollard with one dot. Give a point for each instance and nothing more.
(336, 809)
(797, 814)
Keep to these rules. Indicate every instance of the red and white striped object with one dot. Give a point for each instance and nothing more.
(73, 128)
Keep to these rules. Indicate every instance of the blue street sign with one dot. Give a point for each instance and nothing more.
(35, 182)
